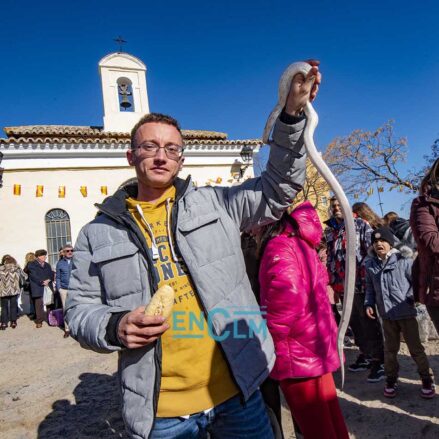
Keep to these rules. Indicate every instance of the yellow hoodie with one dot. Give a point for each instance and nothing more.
(195, 375)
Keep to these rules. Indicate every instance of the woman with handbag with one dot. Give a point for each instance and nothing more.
(40, 276)
(10, 274)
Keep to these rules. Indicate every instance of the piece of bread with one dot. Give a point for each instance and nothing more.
(161, 303)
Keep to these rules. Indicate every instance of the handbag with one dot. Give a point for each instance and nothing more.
(47, 296)
(55, 317)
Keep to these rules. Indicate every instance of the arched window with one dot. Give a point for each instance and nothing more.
(58, 233)
(125, 93)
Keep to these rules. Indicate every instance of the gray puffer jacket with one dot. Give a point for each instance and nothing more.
(112, 273)
(389, 284)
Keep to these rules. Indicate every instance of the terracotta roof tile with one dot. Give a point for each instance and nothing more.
(93, 132)
(113, 141)
(86, 135)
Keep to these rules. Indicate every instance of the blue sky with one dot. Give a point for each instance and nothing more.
(215, 65)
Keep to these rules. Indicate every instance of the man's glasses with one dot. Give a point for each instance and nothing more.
(173, 152)
(68, 251)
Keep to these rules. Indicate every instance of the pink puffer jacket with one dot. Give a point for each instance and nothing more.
(293, 290)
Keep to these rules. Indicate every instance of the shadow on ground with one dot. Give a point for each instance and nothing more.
(96, 413)
(369, 414)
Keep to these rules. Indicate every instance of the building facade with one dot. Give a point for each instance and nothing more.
(53, 175)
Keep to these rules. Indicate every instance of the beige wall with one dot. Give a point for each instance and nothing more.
(22, 226)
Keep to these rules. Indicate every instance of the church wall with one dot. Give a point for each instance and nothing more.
(22, 225)
(22, 228)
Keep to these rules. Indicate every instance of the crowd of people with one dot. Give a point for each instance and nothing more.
(296, 269)
(220, 374)
(36, 289)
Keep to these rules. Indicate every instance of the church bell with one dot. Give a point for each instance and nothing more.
(124, 93)
(125, 102)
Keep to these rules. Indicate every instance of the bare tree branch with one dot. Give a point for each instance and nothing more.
(364, 158)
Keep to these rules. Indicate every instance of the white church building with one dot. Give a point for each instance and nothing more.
(54, 174)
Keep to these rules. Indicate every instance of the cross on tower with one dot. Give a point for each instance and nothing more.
(120, 41)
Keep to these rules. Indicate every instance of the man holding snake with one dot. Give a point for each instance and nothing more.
(163, 230)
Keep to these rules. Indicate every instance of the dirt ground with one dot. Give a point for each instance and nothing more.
(51, 388)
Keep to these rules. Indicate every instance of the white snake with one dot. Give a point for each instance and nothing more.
(315, 157)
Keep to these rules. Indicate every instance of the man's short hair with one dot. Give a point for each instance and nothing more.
(332, 199)
(64, 247)
(40, 253)
(154, 118)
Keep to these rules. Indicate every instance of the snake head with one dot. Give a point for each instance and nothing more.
(283, 90)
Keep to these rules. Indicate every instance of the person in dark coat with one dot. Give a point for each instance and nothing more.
(63, 272)
(424, 218)
(400, 227)
(40, 275)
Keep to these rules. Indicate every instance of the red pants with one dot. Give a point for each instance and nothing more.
(314, 405)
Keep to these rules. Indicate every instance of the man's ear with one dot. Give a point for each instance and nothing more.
(181, 164)
(131, 157)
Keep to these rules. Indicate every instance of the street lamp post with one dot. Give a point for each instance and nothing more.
(246, 156)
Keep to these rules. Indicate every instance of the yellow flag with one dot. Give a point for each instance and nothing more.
(40, 190)
(356, 196)
(370, 191)
(17, 189)
(61, 192)
(380, 189)
(83, 190)
(218, 180)
(104, 190)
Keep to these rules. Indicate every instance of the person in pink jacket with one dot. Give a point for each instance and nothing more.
(294, 296)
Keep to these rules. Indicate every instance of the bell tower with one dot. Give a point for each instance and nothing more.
(123, 79)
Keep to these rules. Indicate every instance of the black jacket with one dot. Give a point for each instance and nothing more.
(38, 274)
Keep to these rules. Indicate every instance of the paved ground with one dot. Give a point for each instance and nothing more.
(50, 388)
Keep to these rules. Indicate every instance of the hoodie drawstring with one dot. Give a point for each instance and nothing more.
(155, 250)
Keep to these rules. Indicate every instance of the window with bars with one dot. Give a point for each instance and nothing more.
(58, 233)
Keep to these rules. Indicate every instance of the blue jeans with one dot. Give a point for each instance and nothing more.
(232, 420)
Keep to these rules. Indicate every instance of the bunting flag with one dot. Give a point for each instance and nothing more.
(370, 191)
(61, 192)
(401, 188)
(380, 189)
(17, 189)
(356, 196)
(62, 189)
